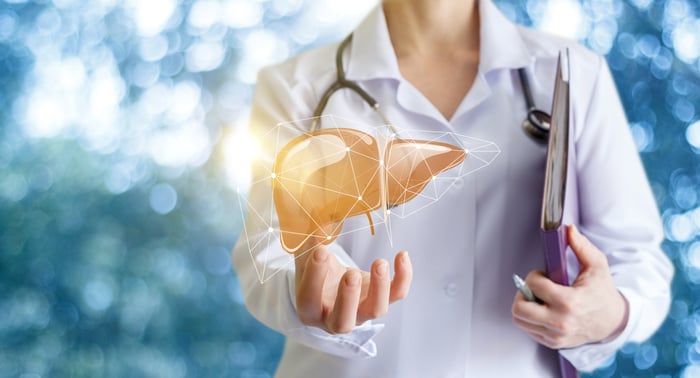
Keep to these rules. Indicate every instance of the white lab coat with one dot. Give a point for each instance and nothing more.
(456, 320)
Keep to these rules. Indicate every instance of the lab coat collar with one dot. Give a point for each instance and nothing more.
(372, 55)
(501, 44)
(371, 52)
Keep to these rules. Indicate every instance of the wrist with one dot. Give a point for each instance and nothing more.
(617, 331)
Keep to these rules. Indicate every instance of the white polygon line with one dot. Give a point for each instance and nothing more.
(487, 147)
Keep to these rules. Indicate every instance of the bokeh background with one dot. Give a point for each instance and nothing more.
(122, 143)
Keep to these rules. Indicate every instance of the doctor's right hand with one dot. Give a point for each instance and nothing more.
(336, 298)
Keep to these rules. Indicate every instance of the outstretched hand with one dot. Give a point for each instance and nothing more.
(336, 298)
(590, 310)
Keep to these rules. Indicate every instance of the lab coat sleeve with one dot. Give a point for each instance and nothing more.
(619, 215)
(264, 269)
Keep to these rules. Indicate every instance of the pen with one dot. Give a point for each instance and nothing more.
(522, 286)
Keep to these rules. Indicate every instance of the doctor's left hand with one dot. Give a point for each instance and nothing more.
(590, 310)
(336, 298)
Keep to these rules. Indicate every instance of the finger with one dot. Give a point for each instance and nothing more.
(530, 312)
(542, 335)
(344, 315)
(588, 255)
(403, 274)
(302, 258)
(309, 292)
(548, 322)
(530, 327)
(376, 303)
(550, 330)
(544, 340)
(519, 297)
(547, 290)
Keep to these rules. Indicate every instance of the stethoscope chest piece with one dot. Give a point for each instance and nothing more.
(536, 125)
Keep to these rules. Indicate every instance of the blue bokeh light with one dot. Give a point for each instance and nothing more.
(121, 153)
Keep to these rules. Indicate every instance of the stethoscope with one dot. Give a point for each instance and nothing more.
(535, 125)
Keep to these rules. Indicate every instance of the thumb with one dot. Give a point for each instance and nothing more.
(588, 255)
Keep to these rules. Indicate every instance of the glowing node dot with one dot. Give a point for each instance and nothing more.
(434, 177)
(393, 135)
(328, 237)
(273, 175)
(359, 198)
(269, 229)
(381, 162)
(347, 148)
(388, 211)
(418, 146)
(466, 151)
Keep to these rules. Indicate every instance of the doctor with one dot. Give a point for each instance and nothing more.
(450, 310)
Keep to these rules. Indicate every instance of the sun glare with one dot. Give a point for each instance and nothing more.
(240, 148)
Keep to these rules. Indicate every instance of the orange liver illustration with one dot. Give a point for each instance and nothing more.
(321, 178)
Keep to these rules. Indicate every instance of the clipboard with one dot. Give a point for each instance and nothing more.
(553, 231)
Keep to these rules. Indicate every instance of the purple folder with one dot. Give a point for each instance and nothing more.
(553, 231)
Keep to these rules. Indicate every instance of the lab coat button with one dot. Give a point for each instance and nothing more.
(451, 289)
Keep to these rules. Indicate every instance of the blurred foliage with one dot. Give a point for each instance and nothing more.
(118, 205)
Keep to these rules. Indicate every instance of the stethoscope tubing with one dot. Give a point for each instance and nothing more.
(535, 125)
(342, 82)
